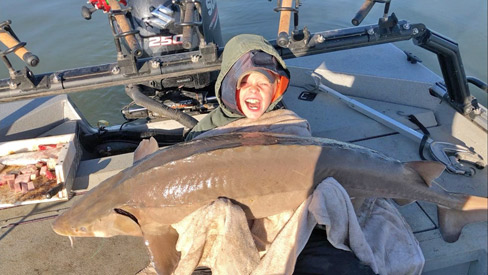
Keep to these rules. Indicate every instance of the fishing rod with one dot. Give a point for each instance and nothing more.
(10, 40)
(126, 30)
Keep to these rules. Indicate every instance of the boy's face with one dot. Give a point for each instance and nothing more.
(255, 94)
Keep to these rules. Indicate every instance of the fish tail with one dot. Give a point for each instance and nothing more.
(452, 221)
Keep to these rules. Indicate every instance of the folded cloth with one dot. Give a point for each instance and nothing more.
(394, 246)
(218, 236)
(329, 205)
(278, 121)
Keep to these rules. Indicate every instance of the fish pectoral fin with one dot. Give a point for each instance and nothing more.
(428, 170)
(163, 251)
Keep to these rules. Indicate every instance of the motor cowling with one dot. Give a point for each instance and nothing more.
(161, 25)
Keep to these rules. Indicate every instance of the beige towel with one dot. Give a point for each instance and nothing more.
(218, 236)
(279, 121)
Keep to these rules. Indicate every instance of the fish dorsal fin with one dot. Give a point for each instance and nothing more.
(146, 147)
(428, 170)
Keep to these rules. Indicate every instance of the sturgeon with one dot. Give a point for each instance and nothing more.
(264, 173)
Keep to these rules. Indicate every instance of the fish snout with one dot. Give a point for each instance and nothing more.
(64, 228)
(59, 229)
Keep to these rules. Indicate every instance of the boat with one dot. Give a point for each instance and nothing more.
(351, 84)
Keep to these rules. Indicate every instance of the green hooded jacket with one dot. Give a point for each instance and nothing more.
(234, 49)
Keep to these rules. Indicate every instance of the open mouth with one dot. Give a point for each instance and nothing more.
(253, 104)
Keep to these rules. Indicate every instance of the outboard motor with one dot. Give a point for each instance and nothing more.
(167, 26)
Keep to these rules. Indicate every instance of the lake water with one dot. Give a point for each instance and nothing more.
(55, 31)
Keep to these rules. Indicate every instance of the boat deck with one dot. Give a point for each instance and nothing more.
(27, 242)
(397, 98)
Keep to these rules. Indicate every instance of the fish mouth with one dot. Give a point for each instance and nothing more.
(63, 225)
(63, 230)
(59, 226)
(68, 231)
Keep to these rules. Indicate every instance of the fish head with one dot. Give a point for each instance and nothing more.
(109, 224)
(105, 211)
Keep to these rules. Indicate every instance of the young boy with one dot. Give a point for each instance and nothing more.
(252, 80)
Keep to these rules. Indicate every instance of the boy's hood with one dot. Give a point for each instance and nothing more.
(235, 49)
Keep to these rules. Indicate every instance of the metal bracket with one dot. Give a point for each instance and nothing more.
(209, 53)
(299, 38)
(23, 79)
(387, 24)
(127, 64)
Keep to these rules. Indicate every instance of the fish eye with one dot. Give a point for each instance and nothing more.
(83, 229)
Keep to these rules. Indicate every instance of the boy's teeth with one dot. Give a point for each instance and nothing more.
(252, 101)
